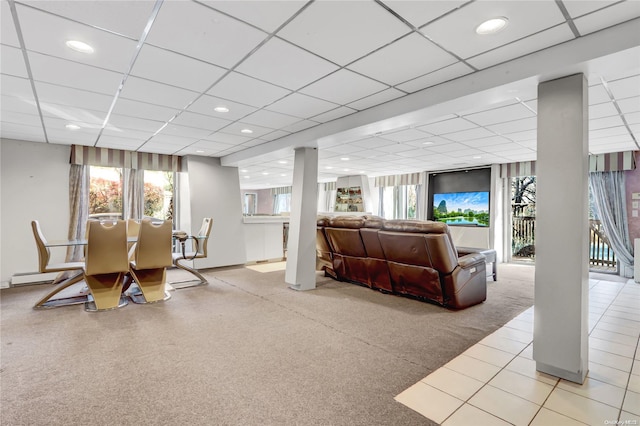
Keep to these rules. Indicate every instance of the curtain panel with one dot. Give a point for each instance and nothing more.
(399, 180)
(107, 157)
(613, 162)
(78, 199)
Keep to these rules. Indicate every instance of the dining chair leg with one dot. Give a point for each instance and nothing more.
(106, 291)
(47, 302)
(152, 285)
(188, 283)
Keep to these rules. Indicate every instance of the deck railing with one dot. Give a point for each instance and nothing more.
(601, 254)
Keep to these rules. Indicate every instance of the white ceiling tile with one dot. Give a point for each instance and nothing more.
(403, 60)
(172, 140)
(629, 105)
(270, 119)
(300, 125)
(606, 122)
(456, 31)
(139, 89)
(227, 138)
(235, 129)
(372, 143)
(127, 17)
(485, 142)
(198, 31)
(53, 124)
(21, 131)
(376, 99)
(21, 118)
(201, 121)
(466, 135)
(617, 147)
(118, 143)
(448, 126)
(500, 115)
(333, 114)
(186, 131)
(605, 109)
(419, 13)
(608, 132)
(72, 74)
(397, 148)
(171, 68)
(72, 115)
(448, 73)
(54, 94)
(615, 14)
(111, 52)
(579, 8)
(63, 137)
(8, 33)
(267, 15)
(205, 104)
(140, 124)
(131, 134)
(12, 61)
(449, 147)
(18, 105)
(302, 106)
(598, 94)
(276, 134)
(626, 87)
(632, 117)
(515, 126)
(347, 149)
(286, 65)
(242, 89)
(16, 87)
(159, 148)
(483, 108)
(497, 148)
(343, 87)
(618, 73)
(525, 135)
(518, 48)
(343, 31)
(405, 135)
(143, 110)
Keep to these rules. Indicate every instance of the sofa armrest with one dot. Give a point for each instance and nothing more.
(471, 259)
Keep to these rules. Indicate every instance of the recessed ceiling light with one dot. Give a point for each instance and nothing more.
(477, 157)
(345, 158)
(221, 109)
(246, 131)
(72, 126)
(244, 171)
(283, 174)
(346, 170)
(492, 25)
(79, 46)
(282, 162)
(328, 167)
(265, 173)
(247, 177)
(427, 143)
(199, 151)
(362, 172)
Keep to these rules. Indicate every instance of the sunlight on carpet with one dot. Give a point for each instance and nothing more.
(268, 267)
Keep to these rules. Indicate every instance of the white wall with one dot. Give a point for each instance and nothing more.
(35, 185)
(214, 191)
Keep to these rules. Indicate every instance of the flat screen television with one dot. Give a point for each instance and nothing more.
(462, 208)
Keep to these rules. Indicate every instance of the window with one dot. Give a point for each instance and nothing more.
(281, 203)
(399, 202)
(105, 193)
(158, 194)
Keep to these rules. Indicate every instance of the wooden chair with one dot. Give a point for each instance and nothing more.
(200, 241)
(45, 266)
(106, 264)
(151, 258)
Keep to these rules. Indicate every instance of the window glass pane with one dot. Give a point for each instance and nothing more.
(282, 203)
(412, 202)
(158, 194)
(105, 193)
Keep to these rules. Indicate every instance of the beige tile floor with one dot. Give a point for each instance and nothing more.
(495, 382)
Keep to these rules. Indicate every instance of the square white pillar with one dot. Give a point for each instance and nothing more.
(301, 250)
(560, 343)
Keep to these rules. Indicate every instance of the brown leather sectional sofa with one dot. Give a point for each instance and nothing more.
(407, 257)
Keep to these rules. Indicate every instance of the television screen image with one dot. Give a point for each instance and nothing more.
(462, 208)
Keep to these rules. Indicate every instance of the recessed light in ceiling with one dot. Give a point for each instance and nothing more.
(246, 131)
(492, 25)
(244, 171)
(79, 46)
(283, 174)
(247, 177)
(72, 126)
(477, 157)
(199, 151)
(346, 170)
(282, 162)
(328, 167)
(344, 158)
(427, 143)
(221, 109)
(265, 173)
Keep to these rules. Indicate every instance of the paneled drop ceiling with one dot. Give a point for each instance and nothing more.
(159, 70)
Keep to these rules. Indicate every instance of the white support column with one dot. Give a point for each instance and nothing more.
(560, 342)
(301, 253)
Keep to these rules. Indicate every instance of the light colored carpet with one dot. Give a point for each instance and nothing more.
(244, 350)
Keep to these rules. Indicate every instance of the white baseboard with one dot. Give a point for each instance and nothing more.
(26, 278)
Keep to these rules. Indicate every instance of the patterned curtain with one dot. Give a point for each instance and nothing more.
(78, 208)
(134, 190)
(608, 189)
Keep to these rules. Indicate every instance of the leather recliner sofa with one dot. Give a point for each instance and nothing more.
(407, 257)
